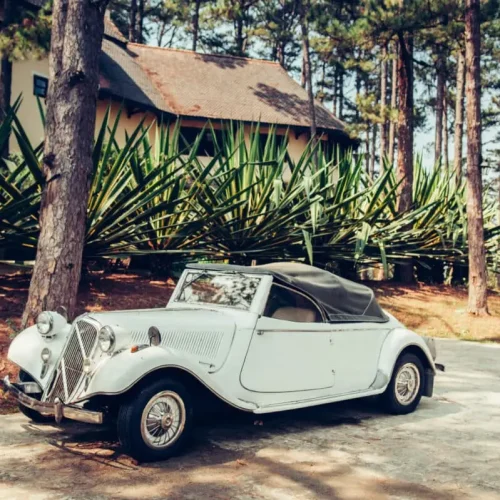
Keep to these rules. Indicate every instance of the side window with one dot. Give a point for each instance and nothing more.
(286, 304)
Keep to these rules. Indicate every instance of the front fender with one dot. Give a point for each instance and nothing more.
(119, 373)
(398, 340)
(26, 348)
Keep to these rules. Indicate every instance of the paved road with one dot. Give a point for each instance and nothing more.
(448, 450)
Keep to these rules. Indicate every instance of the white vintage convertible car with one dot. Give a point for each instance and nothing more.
(262, 339)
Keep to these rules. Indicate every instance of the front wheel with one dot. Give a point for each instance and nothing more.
(155, 424)
(404, 392)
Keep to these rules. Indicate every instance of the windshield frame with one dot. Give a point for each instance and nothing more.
(256, 306)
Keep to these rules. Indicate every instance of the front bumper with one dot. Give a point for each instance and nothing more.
(58, 409)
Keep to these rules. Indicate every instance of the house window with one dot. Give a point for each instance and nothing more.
(40, 86)
(206, 145)
(280, 141)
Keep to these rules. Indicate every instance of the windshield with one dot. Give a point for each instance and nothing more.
(225, 289)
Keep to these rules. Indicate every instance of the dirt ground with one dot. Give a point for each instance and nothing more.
(449, 449)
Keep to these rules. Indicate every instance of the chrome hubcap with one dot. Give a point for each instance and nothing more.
(163, 420)
(407, 383)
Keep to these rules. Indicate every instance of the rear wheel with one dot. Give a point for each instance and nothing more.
(404, 392)
(155, 423)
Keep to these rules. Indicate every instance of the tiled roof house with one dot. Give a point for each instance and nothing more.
(194, 87)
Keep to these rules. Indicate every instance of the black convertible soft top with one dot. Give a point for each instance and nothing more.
(340, 299)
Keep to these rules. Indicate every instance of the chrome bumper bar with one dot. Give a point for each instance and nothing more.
(58, 409)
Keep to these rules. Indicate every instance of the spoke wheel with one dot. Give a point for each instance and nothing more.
(407, 383)
(163, 420)
(404, 392)
(155, 421)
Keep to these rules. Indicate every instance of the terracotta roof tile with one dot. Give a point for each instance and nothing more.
(228, 87)
(121, 76)
(186, 83)
(111, 31)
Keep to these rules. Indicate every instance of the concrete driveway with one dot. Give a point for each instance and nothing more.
(449, 449)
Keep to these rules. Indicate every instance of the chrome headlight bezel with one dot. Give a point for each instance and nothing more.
(107, 339)
(45, 324)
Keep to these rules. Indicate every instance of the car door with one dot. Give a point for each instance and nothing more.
(290, 349)
(355, 353)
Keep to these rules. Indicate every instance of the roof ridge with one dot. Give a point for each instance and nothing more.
(224, 56)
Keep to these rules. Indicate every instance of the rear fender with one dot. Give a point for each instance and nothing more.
(395, 343)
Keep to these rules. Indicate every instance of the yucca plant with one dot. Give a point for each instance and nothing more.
(266, 218)
(153, 196)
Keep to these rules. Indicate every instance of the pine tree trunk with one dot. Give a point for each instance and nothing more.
(383, 101)
(5, 76)
(367, 150)
(394, 103)
(77, 31)
(477, 256)
(404, 169)
(140, 22)
(132, 27)
(446, 160)
(371, 171)
(341, 95)
(307, 67)
(196, 23)
(498, 245)
(335, 90)
(303, 75)
(440, 82)
(240, 42)
(459, 116)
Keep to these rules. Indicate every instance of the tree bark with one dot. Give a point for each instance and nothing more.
(383, 101)
(478, 303)
(132, 27)
(303, 76)
(446, 160)
(394, 102)
(335, 90)
(140, 28)
(440, 82)
(307, 67)
(196, 24)
(6, 76)
(459, 116)
(404, 169)
(77, 32)
(498, 245)
(341, 94)
(371, 170)
(367, 150)
(240, 41)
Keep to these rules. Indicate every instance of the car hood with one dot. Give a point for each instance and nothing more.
(203, 334)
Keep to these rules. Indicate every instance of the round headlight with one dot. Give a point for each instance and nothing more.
(106, 339)
(44, 323)
(45, 355)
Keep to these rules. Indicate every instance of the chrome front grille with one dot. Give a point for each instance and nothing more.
(80, 345)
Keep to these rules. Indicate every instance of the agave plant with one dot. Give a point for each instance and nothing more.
(153, 196)
(267, 206)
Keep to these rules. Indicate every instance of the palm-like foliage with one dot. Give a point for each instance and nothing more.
(153, 195)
